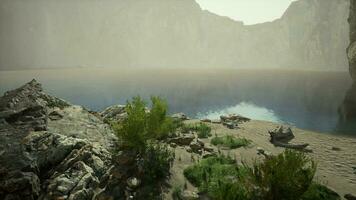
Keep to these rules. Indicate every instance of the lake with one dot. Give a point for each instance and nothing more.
(306, 99)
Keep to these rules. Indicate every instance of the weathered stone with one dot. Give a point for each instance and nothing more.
(196, 146)
(350, 197)
(182, 140)
(133, 182)
(55, 115)
(114, 113)
(69, 152)
(234, 117)
(336, 148)
(205, 120)
(189, 195)
(180, 116)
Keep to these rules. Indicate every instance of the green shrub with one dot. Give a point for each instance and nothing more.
(133, 129)
(157, 161)
(217, 176)
(204, 131)
(140, 126)
(230, 142)
(286, 176)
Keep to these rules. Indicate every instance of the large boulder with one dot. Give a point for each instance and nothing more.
(50, 149)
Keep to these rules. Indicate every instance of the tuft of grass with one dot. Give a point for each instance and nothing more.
(214, 175)
(285, 176)
(230, 142)
(203, 130)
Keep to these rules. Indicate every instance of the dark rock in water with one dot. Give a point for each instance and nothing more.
(281, 136)
(350, 197)
(50, 149)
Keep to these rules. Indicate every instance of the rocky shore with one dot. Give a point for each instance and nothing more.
(51, 149)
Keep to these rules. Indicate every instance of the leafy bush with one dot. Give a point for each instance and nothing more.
(204, 131)
(286, 176)
(141, 126)
(133, 130)
(230, 141)
(157, 161)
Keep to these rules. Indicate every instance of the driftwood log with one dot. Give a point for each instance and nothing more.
(281, 136)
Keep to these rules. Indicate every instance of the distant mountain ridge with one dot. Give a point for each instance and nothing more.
(312, 34)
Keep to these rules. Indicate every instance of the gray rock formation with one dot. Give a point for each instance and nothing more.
(348, 109)
(168, 33)
(50, 149)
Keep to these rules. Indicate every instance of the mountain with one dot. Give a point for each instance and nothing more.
(312, 34)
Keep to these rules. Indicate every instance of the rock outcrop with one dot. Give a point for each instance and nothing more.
(50, 149)
(169, 33)
(348, 108)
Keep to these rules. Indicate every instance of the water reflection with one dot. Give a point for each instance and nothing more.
(308, 99)
(246, 109)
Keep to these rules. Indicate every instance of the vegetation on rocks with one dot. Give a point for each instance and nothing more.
(230, 142)
(140, 132)
(141, 126)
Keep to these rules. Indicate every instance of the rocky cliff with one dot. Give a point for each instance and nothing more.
(50, 149)
(351, 51)
(348, 108)
(312, 34)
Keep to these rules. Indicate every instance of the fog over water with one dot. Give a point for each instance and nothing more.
(306, 99)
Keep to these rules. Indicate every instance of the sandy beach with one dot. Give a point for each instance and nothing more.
(335, 155)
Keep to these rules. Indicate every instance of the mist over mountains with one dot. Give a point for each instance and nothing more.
(312, 34)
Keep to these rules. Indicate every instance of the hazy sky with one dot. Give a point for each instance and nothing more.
(248, 11)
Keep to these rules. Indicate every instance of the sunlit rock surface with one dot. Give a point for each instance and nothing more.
(50, 149)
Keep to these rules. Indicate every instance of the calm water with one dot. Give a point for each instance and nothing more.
(306, 99)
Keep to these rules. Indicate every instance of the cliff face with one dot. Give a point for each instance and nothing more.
(351, 51)
(312, 34)
(348, 108)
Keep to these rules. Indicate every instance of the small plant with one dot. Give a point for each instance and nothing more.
(141, 126)
(204, 131)
(230, 142)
